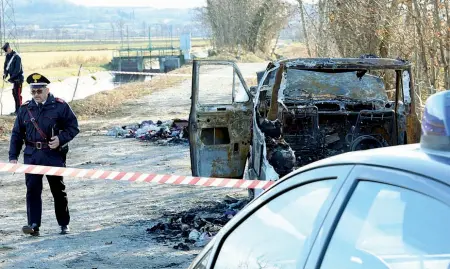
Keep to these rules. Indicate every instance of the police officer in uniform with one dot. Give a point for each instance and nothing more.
(45, 125)
(13, 68)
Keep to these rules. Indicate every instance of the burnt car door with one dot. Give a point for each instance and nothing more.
(219, 120)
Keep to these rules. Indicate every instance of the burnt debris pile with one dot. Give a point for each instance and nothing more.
(196, 227)
(164, 132)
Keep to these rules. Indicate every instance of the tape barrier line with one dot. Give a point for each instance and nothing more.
(134, 176)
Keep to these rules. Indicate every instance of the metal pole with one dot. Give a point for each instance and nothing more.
(128, 39)
(76, 85)
(171, 36)
(150, 37)
(3, 28)
(1, 98)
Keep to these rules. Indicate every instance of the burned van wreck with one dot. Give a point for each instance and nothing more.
(327, 107)
(303, 110)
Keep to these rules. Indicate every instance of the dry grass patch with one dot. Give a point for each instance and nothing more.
(292, 50)
(76, 60)
(59, 65)
(244, 57)
(6, 125)
(43, 60)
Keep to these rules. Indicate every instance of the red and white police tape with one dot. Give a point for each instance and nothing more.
(134, 176)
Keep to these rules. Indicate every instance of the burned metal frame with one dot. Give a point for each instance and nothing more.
(384, 118)
(337, 65)
(231, 121)
(334, 64)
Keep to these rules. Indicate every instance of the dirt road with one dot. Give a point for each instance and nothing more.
(109, 219)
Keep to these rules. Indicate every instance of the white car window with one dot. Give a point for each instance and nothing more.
(274, 236)
(384, 226)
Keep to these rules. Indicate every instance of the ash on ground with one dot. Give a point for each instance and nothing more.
(163, 132)
(196, 227)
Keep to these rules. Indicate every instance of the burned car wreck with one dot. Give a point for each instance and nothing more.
(304, 110)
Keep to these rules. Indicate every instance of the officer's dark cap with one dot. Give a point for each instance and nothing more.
(36, 80)
(5, 47)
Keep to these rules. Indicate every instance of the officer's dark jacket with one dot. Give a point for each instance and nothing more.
(15, 70)
(55, 113)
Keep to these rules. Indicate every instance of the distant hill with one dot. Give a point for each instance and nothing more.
(51, 13)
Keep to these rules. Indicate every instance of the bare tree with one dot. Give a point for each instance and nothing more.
(417, 30)
(304, 29)
(250, 24)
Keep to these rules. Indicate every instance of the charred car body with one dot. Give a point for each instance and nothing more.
(302, 110)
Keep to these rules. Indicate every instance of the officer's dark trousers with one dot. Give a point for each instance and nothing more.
(17, 94)
(57, 187)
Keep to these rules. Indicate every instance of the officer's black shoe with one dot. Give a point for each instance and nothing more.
(31, 229)
(65, 229)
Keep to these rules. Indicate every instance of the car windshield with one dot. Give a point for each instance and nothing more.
(302, 84)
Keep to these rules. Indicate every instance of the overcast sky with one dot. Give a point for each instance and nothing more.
(142, 3)
(150, 3)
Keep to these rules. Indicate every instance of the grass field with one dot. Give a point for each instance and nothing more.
(6, 125)
(62, 64)
(60, 60)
